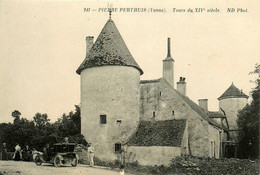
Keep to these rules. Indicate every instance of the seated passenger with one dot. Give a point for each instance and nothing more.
(27, 153)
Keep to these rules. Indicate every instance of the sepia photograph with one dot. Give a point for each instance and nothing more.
(129, 87)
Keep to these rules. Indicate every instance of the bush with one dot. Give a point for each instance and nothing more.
(205, 165)
(79, 139)
(198, 165)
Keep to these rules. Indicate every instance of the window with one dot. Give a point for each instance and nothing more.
(172, 112)
(160, 93)
(153, 113)
(118, 122)
(117, 147)
(103, 119)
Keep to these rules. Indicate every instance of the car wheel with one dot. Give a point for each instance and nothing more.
(38, 160)
(74, 162)
(57, 161)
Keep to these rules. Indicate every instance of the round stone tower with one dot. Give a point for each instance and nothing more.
(231, 101)
(109, 93)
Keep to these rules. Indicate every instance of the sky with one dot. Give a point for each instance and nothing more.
(42, 43)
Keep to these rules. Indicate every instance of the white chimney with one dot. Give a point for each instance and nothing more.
(181, 86)
(203, 103)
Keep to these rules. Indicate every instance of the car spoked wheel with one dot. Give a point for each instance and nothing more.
(74, 162)
(57, 161)
(38, 161)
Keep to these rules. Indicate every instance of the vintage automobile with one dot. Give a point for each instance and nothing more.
(59, 154)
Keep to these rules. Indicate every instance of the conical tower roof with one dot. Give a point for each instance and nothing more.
(233, 92)
(109, 49)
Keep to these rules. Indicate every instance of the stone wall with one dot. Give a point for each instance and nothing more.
(214, 141)
(152, 155)
(168, 71)
(185, 141)
(166, 103)
(231, 106)
(112, 91)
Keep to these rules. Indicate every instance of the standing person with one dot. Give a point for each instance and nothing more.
(91, 154)
(122, 157)
(122, 161)
(4, 152)
(17, 153)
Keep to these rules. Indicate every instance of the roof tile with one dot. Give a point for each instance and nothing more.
(109, 49)
(158, 133)
(232, 91)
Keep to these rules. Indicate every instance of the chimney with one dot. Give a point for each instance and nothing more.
(169, 47)
(203, 103)
(89, 43)
(168, 65)
(181, 86)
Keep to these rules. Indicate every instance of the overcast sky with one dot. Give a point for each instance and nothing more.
(43, 43)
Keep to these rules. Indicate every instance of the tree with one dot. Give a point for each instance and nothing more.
(38, 132)
(41, 119)
(42, 130)
(16, 114)
(21, 132)
(248, 123)
(69, 125)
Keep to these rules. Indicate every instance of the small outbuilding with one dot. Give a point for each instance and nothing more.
(158, 142)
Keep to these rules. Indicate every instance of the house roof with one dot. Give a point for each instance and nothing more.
(158, 133)
(150, 81)
(215, 114)
(232, 92)
(203, 113)
(109, 49)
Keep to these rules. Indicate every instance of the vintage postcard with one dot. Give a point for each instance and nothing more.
(129, 87)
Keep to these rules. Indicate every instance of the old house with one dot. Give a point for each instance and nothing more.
(152, 120)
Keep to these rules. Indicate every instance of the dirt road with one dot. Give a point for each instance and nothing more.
(29, 168)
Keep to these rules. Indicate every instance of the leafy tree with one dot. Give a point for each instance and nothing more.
(42, 130)
(69, 125)
(77, 119)
(16, 114)
(5, 129)
(22, 132)
(41, 119)
(248, 123)
(39, 131)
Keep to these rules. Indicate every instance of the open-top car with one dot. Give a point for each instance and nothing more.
(59, 154)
